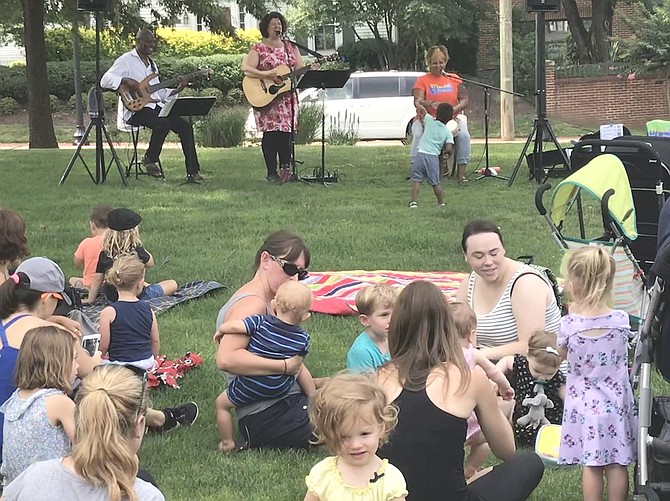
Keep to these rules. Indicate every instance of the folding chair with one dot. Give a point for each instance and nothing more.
(134, 131)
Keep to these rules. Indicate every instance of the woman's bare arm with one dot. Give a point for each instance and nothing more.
(496, 428)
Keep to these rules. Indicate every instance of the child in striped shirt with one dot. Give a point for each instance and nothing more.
(278, 337)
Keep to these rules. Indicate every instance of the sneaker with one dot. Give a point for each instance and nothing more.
(182, 415)
(443, 205)
(272, 178)
(413, 205)
(198, 177)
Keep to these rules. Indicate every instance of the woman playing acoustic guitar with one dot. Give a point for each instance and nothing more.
(274, 120)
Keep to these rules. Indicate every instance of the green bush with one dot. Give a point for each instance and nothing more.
(227, 75)
(72, 104)
(309, 123)
(235, 97)
(222, 128)
(213, 91)
(9, 106)
(171, 43)
(343, 129)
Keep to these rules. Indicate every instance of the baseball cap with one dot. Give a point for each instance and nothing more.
(44, 276)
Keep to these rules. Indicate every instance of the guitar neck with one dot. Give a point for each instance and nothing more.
(296, 73)
(171, 83)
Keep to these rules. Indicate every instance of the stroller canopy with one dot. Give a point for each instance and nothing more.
(599, 175)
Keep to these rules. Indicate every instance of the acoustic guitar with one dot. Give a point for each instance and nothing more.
(261, 92)
(135, 100)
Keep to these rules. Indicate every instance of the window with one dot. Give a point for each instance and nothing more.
(378, 87)
(407, 84)
(324, 38)
(345, 92)
(243, 14)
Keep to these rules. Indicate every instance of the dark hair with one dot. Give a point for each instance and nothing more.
(479, 226)
(422, 336)
(99, 215)
(285, 245)
(13, 295)
(265, 22)
(13, 241)
(445, 112)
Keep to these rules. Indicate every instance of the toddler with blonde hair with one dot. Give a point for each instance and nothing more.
(352, 416)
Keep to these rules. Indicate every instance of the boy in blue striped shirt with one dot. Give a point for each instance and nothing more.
(426, 164)
(278, 337)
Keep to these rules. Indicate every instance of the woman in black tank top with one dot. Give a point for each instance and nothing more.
(430, 382)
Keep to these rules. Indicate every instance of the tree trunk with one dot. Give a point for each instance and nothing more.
(41, 123)
(602, 12)
(579, 34)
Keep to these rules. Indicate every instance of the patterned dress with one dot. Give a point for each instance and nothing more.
(599, 419)
(524, 383)
(277, 116)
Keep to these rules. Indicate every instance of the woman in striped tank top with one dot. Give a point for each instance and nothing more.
(511, 299)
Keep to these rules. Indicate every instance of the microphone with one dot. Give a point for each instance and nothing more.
(279, 33)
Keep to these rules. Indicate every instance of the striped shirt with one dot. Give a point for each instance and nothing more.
(272, 338)
(498, 326)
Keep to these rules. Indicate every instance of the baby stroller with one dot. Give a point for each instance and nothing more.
(604, 181)
(652, 471)
(645, 160)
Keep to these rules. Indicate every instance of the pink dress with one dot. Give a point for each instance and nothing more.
(277, 116)
(599, 422)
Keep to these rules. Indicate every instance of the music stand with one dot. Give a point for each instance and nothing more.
(188, 106)
(323, 79)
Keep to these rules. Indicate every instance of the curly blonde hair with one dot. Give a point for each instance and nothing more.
(348, 396)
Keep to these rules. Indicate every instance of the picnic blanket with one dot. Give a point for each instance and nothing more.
(186, 292)
(335, 291)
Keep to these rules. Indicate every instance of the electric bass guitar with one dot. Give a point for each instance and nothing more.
(135, 100)
(261, 92)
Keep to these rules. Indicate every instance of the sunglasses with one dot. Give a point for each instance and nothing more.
(290, 268)
(140, 373)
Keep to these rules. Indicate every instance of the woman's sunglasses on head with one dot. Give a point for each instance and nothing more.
(290, 268)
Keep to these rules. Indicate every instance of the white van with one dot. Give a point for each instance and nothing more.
(381, 102)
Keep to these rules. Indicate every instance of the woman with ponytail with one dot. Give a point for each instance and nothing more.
(110, 419)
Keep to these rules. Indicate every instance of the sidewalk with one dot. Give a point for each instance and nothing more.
(377, 143)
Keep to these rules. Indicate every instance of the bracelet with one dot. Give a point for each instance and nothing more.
(285, 367)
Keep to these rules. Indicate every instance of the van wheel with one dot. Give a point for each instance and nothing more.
(408, 135)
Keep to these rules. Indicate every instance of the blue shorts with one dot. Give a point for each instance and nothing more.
(151, 291)
(426, 166)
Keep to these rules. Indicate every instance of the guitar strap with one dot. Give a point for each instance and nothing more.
(154, 68)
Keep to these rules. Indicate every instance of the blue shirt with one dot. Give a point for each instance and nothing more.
(435, 134)
(130, 332)
(364, 355)
(270, 337)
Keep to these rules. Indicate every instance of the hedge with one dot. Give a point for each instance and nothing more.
(227, 75)
(171, 43)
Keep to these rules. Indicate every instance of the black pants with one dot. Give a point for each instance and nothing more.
(284, 425)
(276, 144)
(160, 127)
(513, 480)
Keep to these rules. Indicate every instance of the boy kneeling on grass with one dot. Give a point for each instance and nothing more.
(426, 164)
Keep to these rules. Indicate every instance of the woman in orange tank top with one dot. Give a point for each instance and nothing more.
(437, 87)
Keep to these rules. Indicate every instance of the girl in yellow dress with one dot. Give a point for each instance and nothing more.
(352, 417)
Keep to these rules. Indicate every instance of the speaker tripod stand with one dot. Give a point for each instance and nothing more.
(97, 119)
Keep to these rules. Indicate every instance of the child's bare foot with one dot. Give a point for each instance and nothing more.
(226, 446)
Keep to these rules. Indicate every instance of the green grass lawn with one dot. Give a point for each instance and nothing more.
(212, 232)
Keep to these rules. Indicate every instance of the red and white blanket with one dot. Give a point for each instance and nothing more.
(335, 291)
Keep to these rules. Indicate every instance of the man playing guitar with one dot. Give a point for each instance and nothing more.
(129, 70)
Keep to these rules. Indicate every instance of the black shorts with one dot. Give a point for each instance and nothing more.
(284, 425)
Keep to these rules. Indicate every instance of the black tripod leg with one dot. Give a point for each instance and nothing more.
(515, 172)
(564, 156)
(115, 157)
(76, 154)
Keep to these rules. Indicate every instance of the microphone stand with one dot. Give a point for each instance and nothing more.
(294, 177)
(487, 99)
